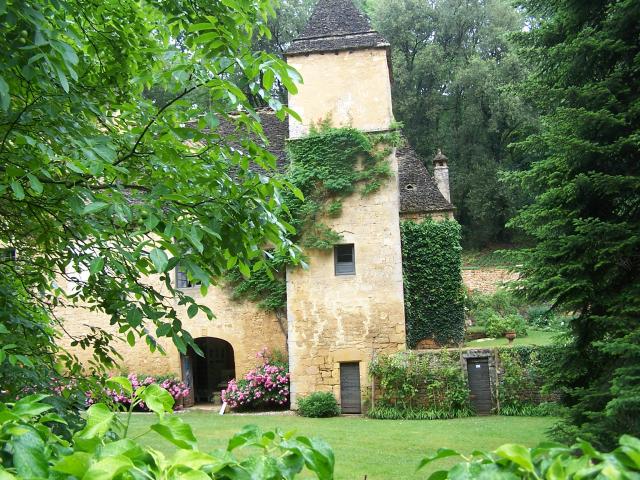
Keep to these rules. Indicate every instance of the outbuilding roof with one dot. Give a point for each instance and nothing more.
(336, 25)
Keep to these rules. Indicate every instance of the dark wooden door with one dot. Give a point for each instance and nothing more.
(350, 387)
(187, 378)
(480, 385)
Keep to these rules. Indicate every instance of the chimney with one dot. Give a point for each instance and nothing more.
(441, 174)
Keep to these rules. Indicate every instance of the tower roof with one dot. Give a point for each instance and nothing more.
(336, 25)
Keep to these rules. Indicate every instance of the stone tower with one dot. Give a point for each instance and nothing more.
(338, 316)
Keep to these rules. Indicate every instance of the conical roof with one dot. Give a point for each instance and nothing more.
(336, 25)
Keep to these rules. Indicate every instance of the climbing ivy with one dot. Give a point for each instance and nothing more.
(433, 292)
(327, 166)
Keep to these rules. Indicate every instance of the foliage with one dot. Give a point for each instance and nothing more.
(433, 293)
(454, 67)
(265, 386)
(586, 216)
(408, 383)
(384, 412)
(319, 405)
(523, 380)
(117, 397)
(101, 188)
(547, 460)
(102, 449)
(496, 326)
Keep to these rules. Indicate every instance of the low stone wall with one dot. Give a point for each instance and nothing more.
(486, 279)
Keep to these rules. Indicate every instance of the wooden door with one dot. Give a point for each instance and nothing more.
(480, 385)
(350, 388)
(187, 377)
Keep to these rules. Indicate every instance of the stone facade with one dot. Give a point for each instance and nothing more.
(487, 279)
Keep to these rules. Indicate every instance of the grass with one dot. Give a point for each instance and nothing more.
(534, 337)
(377, 449)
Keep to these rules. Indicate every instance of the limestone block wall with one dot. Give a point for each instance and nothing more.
(486, 279)
(353, 88)
(346, 318)
(246, 327)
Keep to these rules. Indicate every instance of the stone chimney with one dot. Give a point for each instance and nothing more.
(441, 174)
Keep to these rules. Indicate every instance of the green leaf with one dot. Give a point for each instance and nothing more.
(94, 207)
(108, 468)
(29, 455)
(35, 184)
(75, 464)
(18, 191)
(192, 311)
(441, 453)
(176, 431)
(248, 434)
(517, 454)
(159, 259)
(99, 420)
(96, 265)
(157, 398)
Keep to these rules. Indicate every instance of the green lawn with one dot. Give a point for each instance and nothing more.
(534, 337)
(379, 449)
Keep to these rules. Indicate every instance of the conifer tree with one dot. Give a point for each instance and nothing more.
(585, 217)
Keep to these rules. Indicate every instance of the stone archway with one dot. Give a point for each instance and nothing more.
(211, 372)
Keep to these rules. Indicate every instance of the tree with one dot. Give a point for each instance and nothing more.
(103, 188)
(586, 214)
(454, 69)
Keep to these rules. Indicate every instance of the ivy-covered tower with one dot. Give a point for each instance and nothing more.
(349, 304)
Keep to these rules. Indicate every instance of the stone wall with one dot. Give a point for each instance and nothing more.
(346, 318)
(246, 327)
(351, 88)
(486, 279)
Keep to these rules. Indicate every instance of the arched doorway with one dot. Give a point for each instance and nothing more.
(209, 374)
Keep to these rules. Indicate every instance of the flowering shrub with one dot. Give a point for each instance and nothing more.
(264, 386)
(175, 387)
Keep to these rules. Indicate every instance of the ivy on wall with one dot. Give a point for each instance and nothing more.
(433, 291)
(327, 166)
(418, 386)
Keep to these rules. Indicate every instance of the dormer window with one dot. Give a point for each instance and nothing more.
(345, 259)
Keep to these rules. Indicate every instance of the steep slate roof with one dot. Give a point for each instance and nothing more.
(336, 25)
(418, 190)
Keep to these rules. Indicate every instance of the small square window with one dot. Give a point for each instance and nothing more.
(345, 259)
(182, 281)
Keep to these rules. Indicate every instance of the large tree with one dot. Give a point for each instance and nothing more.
(453, 68)
(586, 214)
(102, 187)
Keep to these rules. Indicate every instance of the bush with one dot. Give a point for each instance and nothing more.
(497, 326)
(319, 405)
(266, 386)
(393, 413)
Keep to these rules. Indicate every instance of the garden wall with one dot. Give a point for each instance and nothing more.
(438, 381)
(486, 279)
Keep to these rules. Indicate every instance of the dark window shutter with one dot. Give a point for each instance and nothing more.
(345, 259)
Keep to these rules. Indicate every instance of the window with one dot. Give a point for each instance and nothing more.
(345, 259)
(182, 281)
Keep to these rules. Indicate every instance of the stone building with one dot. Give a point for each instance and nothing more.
(349, 303)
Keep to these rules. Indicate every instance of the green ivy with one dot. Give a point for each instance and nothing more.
(327, 166)
(419, 386)
(433, 292)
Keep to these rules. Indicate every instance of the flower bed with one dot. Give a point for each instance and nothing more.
(266, 386)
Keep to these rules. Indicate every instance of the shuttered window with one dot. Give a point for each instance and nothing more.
(345, 259)
(182, 281)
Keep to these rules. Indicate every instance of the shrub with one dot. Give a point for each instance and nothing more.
(393, 413)
(265, 386)
(319, 405)
(497, 326)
